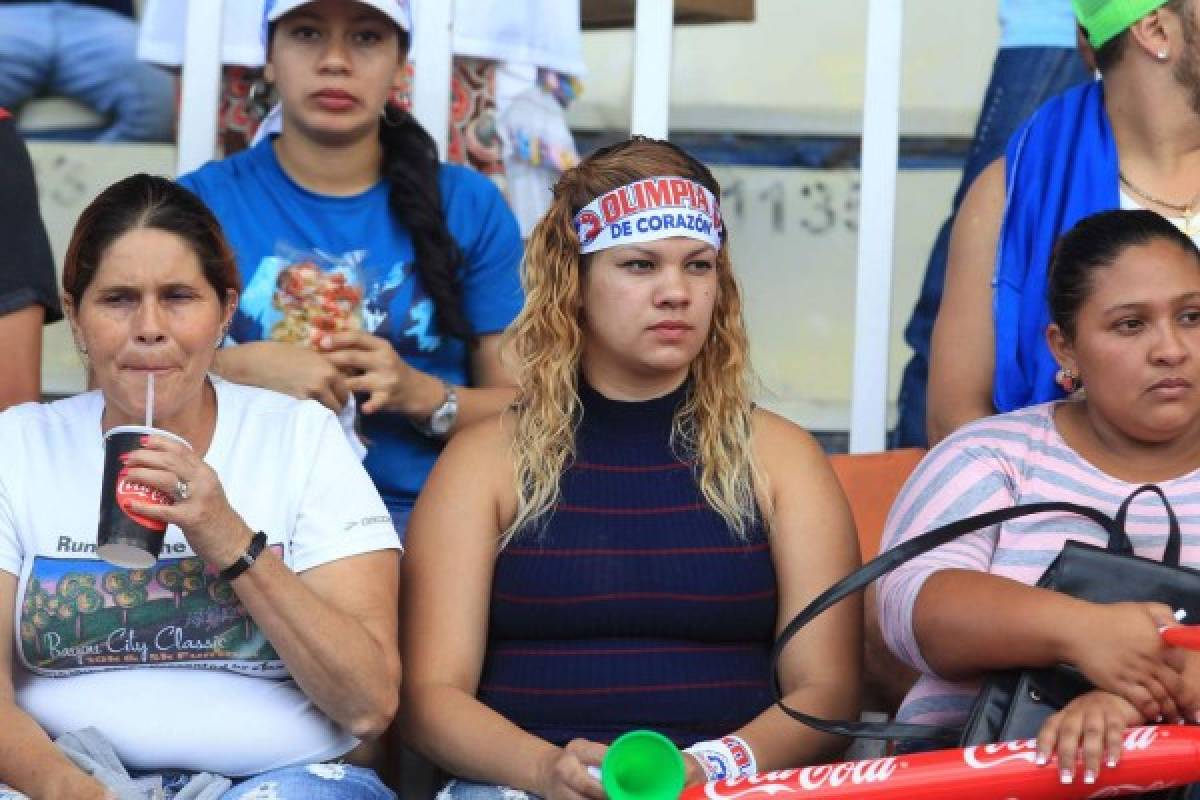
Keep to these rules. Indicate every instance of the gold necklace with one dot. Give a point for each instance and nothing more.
(1184, 209)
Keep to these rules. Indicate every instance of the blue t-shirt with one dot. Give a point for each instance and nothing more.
(1037, 23)
(273, 223)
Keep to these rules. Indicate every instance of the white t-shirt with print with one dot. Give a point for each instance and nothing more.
(165, 662)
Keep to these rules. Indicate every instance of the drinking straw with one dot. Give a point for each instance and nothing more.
(150, 400)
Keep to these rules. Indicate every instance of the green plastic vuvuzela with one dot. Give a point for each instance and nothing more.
(643, 765)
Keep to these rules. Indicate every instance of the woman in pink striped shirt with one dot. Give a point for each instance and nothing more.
(1124, 294)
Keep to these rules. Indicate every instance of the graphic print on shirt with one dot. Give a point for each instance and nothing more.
(299, 296)
(85, 615)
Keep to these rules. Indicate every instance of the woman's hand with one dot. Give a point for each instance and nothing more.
(75, 784)
(563, 774)
(1187, 664)
(214, 530)
(285, 367)
(1118, 648)
(693, 773)
(372, 366)
(1091, 726)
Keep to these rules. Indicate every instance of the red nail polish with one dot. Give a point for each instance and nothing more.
(145, 440)
(124, 457)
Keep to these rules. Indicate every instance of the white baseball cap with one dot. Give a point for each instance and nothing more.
(395, 10)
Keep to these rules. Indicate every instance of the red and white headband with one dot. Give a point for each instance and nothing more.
(648, 210)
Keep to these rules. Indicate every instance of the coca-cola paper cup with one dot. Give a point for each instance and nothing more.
(124, 538)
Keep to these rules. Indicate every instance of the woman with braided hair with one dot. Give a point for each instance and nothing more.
(619, 549)
(372, 272)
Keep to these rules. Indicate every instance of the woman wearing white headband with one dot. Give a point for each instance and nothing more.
(619, 550)
(352, 186)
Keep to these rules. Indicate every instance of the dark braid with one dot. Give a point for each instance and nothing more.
(411, 166)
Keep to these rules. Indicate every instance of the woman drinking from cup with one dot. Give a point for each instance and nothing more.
(619, 549)
(262, 642)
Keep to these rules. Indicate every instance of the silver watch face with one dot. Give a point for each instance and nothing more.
(442, 420)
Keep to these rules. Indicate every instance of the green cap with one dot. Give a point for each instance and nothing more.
(1104, 19)
(643, 765)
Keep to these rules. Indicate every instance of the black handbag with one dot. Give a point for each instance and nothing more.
(1013, 704)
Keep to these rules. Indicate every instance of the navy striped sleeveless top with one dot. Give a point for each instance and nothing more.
(635, 607)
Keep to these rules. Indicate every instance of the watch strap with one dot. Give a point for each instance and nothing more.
(257, 543)
(448, 406)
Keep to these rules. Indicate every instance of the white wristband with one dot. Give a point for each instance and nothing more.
(721, 759)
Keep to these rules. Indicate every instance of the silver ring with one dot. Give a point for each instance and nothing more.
(182, 490)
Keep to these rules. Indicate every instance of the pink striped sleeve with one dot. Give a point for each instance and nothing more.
(969, 473)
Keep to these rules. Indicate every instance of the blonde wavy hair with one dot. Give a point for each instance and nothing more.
(712, 426)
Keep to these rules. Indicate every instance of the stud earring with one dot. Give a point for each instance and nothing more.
(1162, 55)
(1067, 380)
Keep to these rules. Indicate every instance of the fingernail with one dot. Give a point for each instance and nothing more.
(1042, 759)
(1065, 776)
(1112, 762)
(145, 440)
(1089, 776)
(124, 457)
(326, 342)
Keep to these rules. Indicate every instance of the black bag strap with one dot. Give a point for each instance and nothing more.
(1174, 538)
(886, 562)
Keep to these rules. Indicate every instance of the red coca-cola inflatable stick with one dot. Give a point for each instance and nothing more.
(1153, 758)
(1185, 636)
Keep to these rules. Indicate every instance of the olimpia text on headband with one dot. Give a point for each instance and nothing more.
(647, 210)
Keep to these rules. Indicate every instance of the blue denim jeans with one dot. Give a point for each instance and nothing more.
(459, 789)
(88, 54)
(1022, 79)
(312, 782)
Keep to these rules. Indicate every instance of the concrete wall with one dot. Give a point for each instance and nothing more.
(798, 68)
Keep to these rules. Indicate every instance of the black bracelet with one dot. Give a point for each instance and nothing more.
(257, 542)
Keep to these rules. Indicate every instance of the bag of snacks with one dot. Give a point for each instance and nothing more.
(315, 294)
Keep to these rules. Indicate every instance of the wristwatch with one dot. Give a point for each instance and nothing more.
(442, 419)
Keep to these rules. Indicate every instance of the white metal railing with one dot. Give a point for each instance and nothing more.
(876, 227)
(654, 23)
(432, 51)
(201, 96)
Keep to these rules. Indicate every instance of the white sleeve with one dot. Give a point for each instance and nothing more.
(340, 511)
(11, 556)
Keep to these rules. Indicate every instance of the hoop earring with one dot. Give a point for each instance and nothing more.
(1067, 380)
(258, 99)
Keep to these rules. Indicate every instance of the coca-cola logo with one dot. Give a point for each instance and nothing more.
(769, 784)
(128, 490)
(992, 755)
(1140, 738)
(1130, 789)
